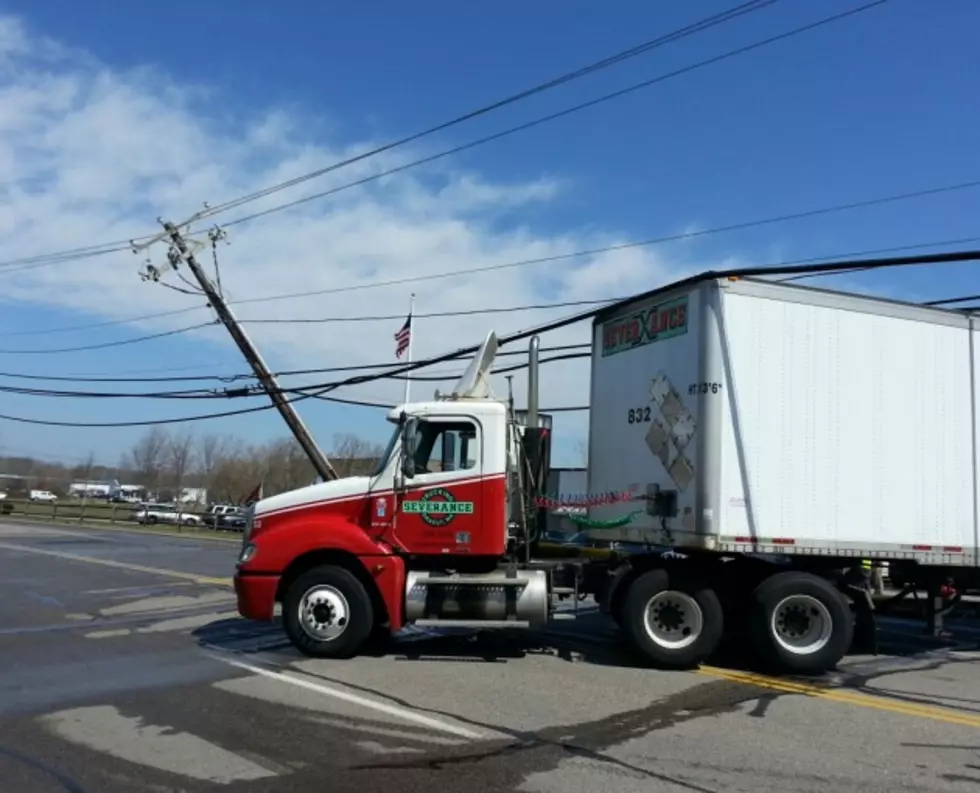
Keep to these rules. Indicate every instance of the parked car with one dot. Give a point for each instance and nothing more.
(165, 513)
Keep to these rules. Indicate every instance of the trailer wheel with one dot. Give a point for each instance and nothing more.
(674, 622)
(327, 613)
(800, 623)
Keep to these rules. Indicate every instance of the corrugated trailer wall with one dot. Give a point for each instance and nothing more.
(847, 425)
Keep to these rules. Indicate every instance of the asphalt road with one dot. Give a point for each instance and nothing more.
(124, 669)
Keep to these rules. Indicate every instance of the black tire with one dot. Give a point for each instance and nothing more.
(829, 645)
(658, 582)
(359, 622)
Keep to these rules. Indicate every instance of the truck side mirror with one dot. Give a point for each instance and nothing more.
(410, 446)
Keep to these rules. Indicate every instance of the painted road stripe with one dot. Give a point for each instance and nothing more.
(364, 702)
(138, 568)
(87, 528)
(875, 702)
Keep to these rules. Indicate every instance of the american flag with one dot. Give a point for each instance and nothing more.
(403, 337)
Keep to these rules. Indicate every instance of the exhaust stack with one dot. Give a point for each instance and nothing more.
(532, 382)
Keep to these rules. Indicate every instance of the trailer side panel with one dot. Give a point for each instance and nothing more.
(644, 420)
(847, 427)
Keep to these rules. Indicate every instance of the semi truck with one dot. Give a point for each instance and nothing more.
(773, 438)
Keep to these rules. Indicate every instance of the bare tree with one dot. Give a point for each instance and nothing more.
(211, 453)
(86, 473)
(354, 456)
(180, 453)
(283, 465)
(147, 457)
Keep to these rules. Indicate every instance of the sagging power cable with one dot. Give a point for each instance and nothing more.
(319, 390)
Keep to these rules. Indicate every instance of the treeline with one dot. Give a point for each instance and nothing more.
(166, 462)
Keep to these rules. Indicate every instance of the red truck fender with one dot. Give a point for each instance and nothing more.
(289, 548)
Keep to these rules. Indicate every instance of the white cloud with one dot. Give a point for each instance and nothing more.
(89, 154)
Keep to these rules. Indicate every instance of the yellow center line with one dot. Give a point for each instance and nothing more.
(845, 697)
(72, 557)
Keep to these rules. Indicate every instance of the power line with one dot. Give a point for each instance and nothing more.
(248, 376)
(676, 35)
(849, 206)
(772, 220)
(560, 114)
(254, 390)
(687, 30)
(495, 310)
(948, 301)
(320, 320)
(318, 391)
(434, 314)
(895, 249)
(541, 120)
(107, 344)
(104, 323)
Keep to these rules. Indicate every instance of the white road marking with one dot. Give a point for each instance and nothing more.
(26, 530)
(105, 729)
(386, 732)
(355, 699)
(136, 568)
(110, 634)
(165, 603)
(379, 748)
(138, 588)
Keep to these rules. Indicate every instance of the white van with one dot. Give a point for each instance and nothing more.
(42, 495)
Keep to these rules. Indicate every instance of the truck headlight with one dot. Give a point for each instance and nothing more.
(247, 553)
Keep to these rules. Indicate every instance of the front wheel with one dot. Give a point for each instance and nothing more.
(328, 613)
(801, 623)
(676, 623)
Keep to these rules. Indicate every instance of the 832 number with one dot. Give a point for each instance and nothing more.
(638, 415)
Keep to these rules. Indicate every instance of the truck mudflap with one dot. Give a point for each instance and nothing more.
(605, 590)
(256, 595)
(611, 586)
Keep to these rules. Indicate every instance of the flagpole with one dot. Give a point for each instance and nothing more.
(411, 338)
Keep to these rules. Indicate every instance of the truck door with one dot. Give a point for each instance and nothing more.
(441, 510)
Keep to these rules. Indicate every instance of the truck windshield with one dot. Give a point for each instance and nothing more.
(389, 449)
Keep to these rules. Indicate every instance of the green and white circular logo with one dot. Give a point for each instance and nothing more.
(437, 507)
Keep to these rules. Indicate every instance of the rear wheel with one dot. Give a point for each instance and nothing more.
(676, 622)
(800, 623)
(327, 613)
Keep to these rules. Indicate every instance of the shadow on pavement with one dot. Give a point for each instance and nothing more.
(592, 638)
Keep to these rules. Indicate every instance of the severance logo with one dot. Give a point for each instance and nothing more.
(438, 507)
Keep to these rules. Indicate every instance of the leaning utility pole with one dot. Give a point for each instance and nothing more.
(319, 460)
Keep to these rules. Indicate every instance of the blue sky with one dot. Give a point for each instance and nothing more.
(112, 114)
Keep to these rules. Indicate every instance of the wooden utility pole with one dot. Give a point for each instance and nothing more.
(319, 460)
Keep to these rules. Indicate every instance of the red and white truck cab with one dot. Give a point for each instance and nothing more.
(353, 555)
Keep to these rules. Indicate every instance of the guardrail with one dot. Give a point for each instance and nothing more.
(93, 511)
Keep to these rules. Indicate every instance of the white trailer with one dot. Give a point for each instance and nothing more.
(791, 420)
(803, 426)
